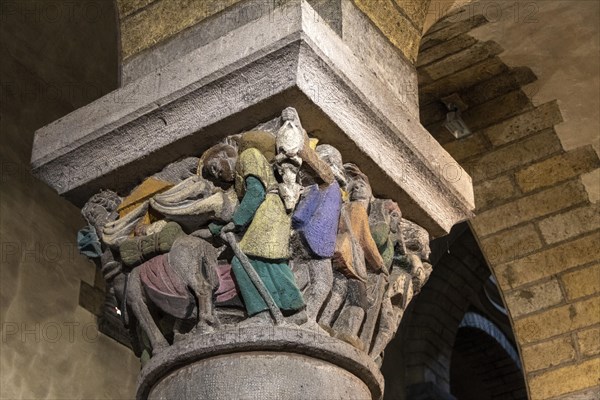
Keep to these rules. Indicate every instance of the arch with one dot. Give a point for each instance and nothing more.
(536, 220)
(484, 364)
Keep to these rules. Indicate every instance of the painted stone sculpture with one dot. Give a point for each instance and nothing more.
(265, 227)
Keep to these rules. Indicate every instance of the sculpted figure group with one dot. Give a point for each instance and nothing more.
(266, 227)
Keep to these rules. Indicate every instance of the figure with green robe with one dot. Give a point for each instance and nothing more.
(266, 227)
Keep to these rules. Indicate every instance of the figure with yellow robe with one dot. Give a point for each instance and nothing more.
(266, 227)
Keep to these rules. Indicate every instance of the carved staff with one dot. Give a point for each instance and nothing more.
(258, 283)
(366, 336)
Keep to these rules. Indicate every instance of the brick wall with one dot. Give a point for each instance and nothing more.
(535, 222)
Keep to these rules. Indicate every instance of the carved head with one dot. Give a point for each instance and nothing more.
(387, 211)
(101, 209)
(358, 187)
(394, 214)
(218, 163)
(333, 158)
(416, 239)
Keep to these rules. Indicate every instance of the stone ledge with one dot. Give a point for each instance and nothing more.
(295, 60)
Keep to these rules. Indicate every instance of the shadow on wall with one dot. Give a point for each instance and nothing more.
(56, 56)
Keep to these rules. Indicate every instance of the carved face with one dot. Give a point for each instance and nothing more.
(221, 166)
(101, 209)
(360, 190)
(333, 158)
(394, 216)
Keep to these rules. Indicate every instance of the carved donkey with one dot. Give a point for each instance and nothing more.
(193, 261)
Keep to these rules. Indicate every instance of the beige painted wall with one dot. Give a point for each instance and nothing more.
(56, 56)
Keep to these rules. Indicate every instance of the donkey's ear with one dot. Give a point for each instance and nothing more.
(221, 250)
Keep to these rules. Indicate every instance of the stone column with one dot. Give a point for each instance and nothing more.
(165, 157)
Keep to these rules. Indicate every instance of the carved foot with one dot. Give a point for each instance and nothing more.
(262, 318)
(201, 328)
(299, 318)
(352, 339)
(159, 347)
(314, 326)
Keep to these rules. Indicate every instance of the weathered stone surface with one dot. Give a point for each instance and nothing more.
(399, 29)
(454, 45)
(163, 19)
(571, 223)
(564, 380)
(548, 262)
(497, 86)
(529, 207)
(416, 11)
(589, 342)
(534, 298)
(548, 354)
(166, 109)
(461, 60)
(492, 191)
(469, 146)
(558, 169)
(263, 375)
(462, 79)
(583, 282)
(495, 110)
(453, 30)
(380, 56)
(127, 7)
(591, 181)
(344, 362)
(542, 117)
(586, 394)
(558, 320)
(511, 244)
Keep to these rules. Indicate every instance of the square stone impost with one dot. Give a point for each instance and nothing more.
(352, 88)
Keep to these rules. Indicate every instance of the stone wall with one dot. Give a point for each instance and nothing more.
(56, 57)
(536, 222)
(145, 23)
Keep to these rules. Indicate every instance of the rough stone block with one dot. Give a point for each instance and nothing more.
(571, 223)
(496, 110)
(469, 146)
(416, 11)
(461, 60)
(514, 155)
(529, 207)
(452, 46)
(533, 298)
(564, 380)
(460, 80)
(127, 7)
(542, 117)
(583, 282)
(558, 168)
(453, 30)
(591, 181)
(548, 354)
(395, 26)
(548, 262)
(162, 20)
(511, 244)
(558, 320)
(589, 342)
(493, 191)
(497, 86)
(586, 394)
